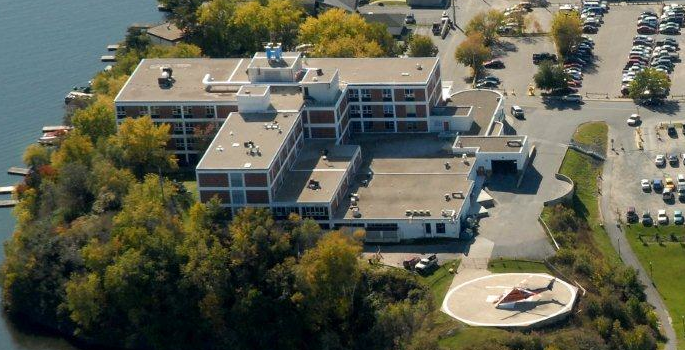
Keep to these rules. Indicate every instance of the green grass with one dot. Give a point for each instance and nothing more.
(592, 134)
(584, 170)
(510, 265)
(471, 336)
(439, 281)
(668, 268)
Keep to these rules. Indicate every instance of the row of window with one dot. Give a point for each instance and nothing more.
(387, 126)
(439, 227)
(365, 111)
(176, 111)
(365, 94)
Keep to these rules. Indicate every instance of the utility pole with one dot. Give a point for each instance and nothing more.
(454, 12)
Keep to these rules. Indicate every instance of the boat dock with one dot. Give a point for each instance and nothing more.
(8, 203)
(18, 171)
(141, 26)
(113, 47)
(6, 189)
(50, 128)
(162, 8)
(108, 58)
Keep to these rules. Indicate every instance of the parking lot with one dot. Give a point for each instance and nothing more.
(632, 165)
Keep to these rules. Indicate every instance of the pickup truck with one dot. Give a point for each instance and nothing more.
(427, 264)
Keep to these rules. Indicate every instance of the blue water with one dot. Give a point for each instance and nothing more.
(46, 47)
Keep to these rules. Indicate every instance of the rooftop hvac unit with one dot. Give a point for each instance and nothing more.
(458, 194)
(407, 212)
(356, 213)
(444, 213)
(447, 197)
(421, 212)
(353, 201)
(415, 212)
(514, 143)
(428, 212)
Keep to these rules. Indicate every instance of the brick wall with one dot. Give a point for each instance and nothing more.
(321, 117)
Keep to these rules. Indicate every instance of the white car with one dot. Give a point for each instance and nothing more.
(681, 180)
(573, 98)
(633, 120)
(660, 160)
(646, 186)
(661, 217)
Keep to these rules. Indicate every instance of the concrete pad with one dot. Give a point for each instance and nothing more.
(471, 301)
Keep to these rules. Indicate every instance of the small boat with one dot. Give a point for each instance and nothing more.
(51, 137)
(76, 95)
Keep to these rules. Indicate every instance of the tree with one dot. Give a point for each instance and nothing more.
(75, 147)
(550, 76)
(486, 24)
(567, 31)
(472, 52)
(96, 121)
(422, 46)
(36, 156)
(143, 145)
(649, 84)
(336, 33)
(329, 274)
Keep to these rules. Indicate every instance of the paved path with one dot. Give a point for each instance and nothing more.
(620, 243)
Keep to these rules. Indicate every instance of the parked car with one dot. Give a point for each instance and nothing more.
(486, 84)
(517, 112)
(646, 186)
(669, 30)
(661, 217)
(590, 29)
(678, 217)
(633, 120)
(427, 264)
(643, 30)
(647, 219)
(409, 19)
(668, 194)
(410, 262)
(493, 64)
(657, 185)
(660, 160)
(491, 78)
(573, 98)
(631, 215)
(672, 159)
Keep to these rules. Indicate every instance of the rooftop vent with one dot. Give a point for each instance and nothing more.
(314, 184)
(165, 79)
(405, 74)
(447, 165)
(220, 148)
(514, 143)
(418, 66)
(247, 165)
(319, 71)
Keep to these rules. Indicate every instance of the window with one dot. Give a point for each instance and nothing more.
(354, 111)
(356, 127)
(178, 128)
(190, 128)
(412, 126)
(409, 94)
(366, 111)
(388, 111)
(411, 111)
(238, 197)
(390, 126)
(237, 180)
(366, 95)
(427, 227)
(387, 95)
(368, 126)
(121, 112)
(142, 111)
(318, 213)
(188, 111)
(180, 145)
(440, 227)
(209, 112)
(353, 94)
(176, 112)
(381, 227)
(191, 143)
(154, 112)
(282, 213)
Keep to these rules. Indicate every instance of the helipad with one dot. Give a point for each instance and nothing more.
(471, 302)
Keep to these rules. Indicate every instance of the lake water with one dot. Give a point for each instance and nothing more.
(46, 47)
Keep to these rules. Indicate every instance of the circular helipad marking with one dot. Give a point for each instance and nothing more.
(468, 302)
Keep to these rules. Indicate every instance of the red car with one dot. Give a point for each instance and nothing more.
(646, 30)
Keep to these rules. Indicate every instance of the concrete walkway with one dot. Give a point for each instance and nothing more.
(620, 243)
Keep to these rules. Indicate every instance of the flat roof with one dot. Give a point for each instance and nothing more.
(316, 76)
(142, 86)
(390, 196)
(484, 103)
(377, 70)
(500, 144)
(227, 150)
(310, 165)
(167, 31)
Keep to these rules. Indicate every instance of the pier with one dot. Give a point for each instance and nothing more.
(51, 128)
(113, 47)
(8, 203)
(108, 58)
(18, 171)
(6, 189)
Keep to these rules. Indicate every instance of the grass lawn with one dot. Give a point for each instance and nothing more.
(439, 281)
(584, 170)
(509, 266)
(668, 269)
(471, 336)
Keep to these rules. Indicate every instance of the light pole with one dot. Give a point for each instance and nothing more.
(651, 275)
